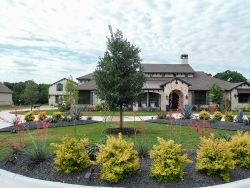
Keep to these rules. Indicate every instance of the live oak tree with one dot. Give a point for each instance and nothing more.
(31, 93)
(72, 93)
(231, 76)
(216, 94)
(119, 76)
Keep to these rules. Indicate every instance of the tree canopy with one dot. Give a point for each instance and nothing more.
(18, 92)
(119, 77)
(31, 93)
(231, 76)
(216, 94)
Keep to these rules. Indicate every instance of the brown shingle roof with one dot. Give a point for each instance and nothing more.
(88, 86)
(4, 89)
(167, 68)
(86, 77)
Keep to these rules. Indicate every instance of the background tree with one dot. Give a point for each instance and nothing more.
(31, 93)
(72, 94)
(118, 75)
(18, 92)
(216, 94)
(231, 76)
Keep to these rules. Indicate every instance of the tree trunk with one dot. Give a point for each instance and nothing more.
(121, 117)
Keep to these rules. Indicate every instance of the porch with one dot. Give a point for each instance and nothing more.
(149, 101)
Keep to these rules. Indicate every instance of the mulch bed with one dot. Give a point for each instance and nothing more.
(60, 123)
(213, 124)
(124, 131)
(141, 178)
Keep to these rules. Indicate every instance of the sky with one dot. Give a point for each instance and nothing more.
(48, 40)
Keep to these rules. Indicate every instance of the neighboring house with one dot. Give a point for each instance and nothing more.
(57, 91)
(5, 95)
(178, 83)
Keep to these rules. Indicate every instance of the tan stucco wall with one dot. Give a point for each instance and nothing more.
(6, 99)
(53, 92)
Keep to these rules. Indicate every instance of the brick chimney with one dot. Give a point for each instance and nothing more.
(184, 58)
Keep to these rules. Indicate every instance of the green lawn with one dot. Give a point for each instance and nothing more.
(109, 113)
(95, 132)
(9, 107)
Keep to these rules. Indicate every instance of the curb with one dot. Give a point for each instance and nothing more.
(12, 180)
(245, 183)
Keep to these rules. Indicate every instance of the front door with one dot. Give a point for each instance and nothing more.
(173, 101)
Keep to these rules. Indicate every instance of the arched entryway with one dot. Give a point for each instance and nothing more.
(175, 98)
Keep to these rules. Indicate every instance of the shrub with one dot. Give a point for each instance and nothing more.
(98, 107)
(42, 116)
(204, 115)
(117, 159)
(57, 115)
(240, 146)
(90, 108)
(75, 112)
(142, 149)
(38, 153)
(229, 116)
(29, 116)
(167, 160)
(92, 149)
(239, 117)
(187, 111)
(214, 156)
(71, 155)
(217, 115)
(161, 115)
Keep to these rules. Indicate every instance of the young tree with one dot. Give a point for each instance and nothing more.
(72, 95)
(31, 93)
(216, 94)
(231, 76)
(119, 77)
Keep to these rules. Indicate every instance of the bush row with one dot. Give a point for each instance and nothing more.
(118, 159)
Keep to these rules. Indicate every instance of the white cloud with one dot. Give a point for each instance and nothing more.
(48, 40)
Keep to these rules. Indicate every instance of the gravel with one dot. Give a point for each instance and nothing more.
(60, 123)
(216, 124)
(141, 178)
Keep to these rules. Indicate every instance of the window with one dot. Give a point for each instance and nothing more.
(243, 97)
(59, 87)
(200, 97)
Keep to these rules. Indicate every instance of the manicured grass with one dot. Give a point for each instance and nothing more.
(109, 113)
(95, 132)
(9, 107)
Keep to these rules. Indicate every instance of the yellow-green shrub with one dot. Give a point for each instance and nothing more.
(240, 146)
(71, 155)
(167, 160)
(57, 115)
(204, 115)
(217, 115)
(229, 116)
(214, 156)
(117, 159)
(42, 116)
(29, 116)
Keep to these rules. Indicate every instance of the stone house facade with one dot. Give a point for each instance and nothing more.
(172, 85)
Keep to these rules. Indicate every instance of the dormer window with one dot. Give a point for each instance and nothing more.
(59, 87)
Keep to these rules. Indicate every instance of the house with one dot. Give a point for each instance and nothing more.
(5, 95)
(57, 91)
(170, 85)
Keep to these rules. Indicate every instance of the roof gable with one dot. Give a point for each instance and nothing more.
(4, 89)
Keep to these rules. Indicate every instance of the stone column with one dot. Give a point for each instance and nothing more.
(147, 99)
(163, 102)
